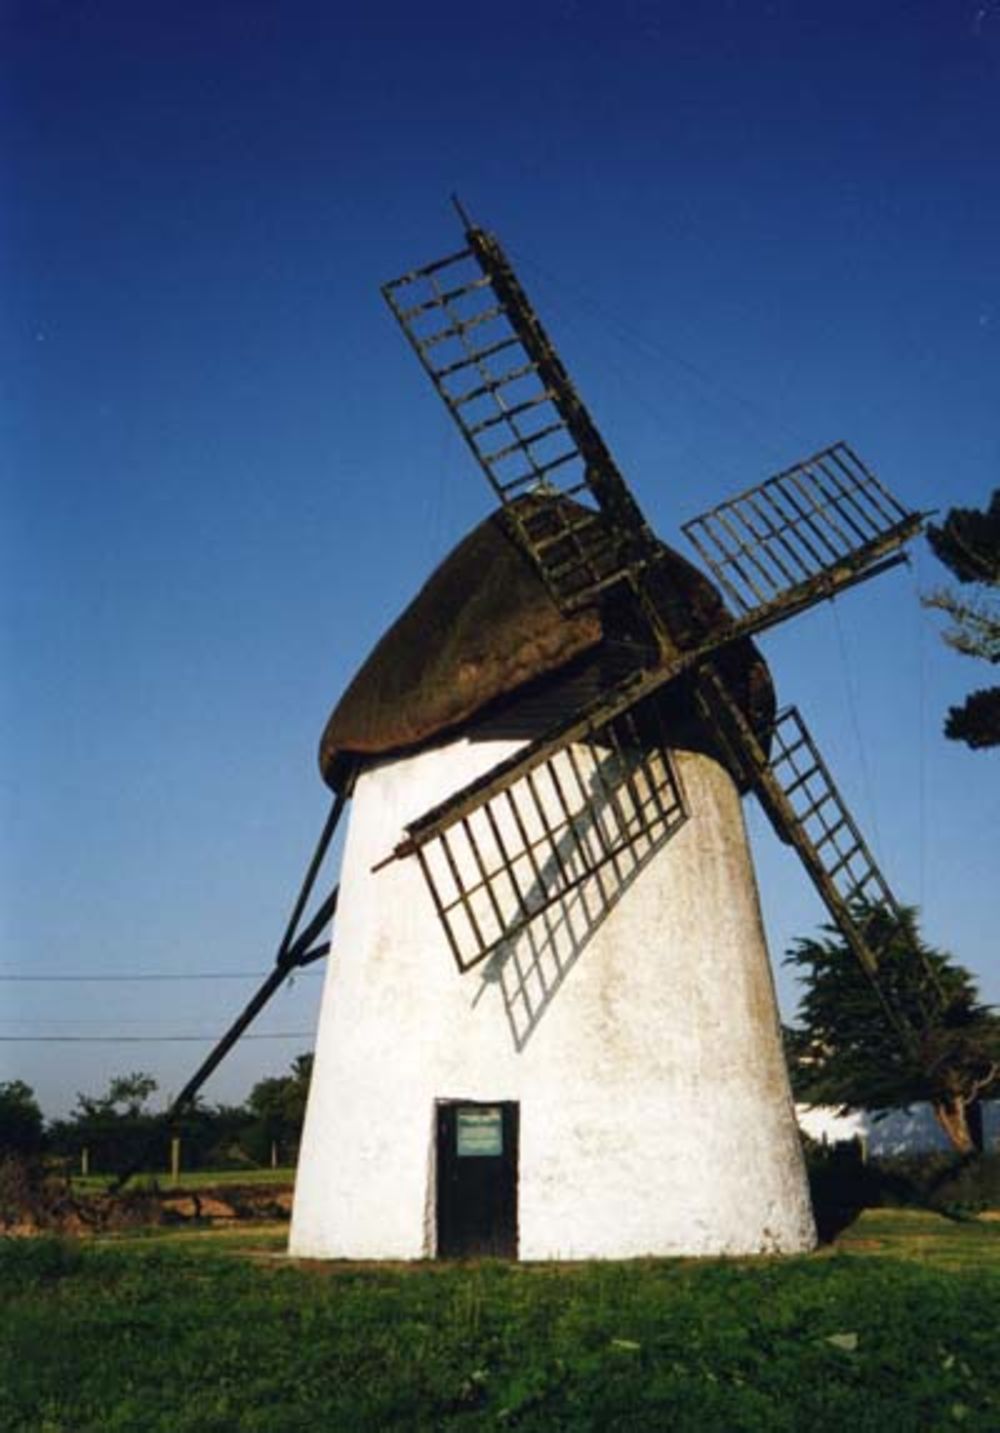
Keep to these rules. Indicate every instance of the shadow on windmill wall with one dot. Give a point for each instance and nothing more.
(532, 966)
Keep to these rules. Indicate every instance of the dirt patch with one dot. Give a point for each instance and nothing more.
(33, 1201)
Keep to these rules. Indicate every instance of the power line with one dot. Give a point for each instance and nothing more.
(630, 333)
(146, 975)
(143, 1039)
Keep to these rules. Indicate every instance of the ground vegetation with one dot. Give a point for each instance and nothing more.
(159, 1335)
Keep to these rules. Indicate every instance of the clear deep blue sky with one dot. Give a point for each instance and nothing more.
(752, 228)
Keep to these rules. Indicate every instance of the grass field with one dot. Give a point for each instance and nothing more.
(196, 1179)
(896, 1329)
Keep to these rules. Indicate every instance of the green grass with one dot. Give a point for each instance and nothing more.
(895, 1330)
(282, 1178)
(916, 1236)
(926, 1239)
(260, 1239)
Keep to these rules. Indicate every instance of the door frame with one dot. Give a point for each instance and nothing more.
(476, 1195)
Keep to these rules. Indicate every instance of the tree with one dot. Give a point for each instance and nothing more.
(213, 1136)
(844, 1049)
(113, 1126)
(125, 1099)
(968, 543)
(278, 1105)
(21, 1123)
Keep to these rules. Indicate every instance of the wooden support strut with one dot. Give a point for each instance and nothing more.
(294, 952)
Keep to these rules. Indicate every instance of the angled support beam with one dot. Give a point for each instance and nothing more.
(295, 950)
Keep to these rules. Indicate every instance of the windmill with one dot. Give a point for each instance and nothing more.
(558, 732)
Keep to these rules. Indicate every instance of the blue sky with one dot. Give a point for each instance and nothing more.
(752, 228)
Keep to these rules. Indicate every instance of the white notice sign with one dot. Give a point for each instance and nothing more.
(479, 1131)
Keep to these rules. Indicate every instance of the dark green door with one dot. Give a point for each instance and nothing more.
(477, 1179)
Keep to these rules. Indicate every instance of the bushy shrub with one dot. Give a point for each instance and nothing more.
(33, 1193)
(942, 1181)
(842, 1183)
(19, 1183)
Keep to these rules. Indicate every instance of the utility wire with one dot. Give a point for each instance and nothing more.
(145, 1039)
(629, 333)
(147, 975)
(850, 689)
(918, 574)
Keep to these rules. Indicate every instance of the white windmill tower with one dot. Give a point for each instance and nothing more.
(549, 1027)
(606, 1049)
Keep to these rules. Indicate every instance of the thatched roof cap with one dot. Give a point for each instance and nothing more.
(482, 627)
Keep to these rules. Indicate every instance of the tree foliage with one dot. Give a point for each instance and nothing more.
(126, 1097)
(844, 1050)
(21, 1122)
(112, 1127)
(278, 1107)
(968, 543)
(119, 1125)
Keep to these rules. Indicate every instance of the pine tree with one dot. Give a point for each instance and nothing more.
(968, 543)
(844, 1051)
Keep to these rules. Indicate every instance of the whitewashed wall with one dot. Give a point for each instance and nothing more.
(654, 1105)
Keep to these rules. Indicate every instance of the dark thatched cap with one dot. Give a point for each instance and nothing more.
(484, 627)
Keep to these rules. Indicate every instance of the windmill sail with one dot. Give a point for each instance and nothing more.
(597, 808)
(806, 809)
(802, 533)
(619, 699)
(483, 347)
